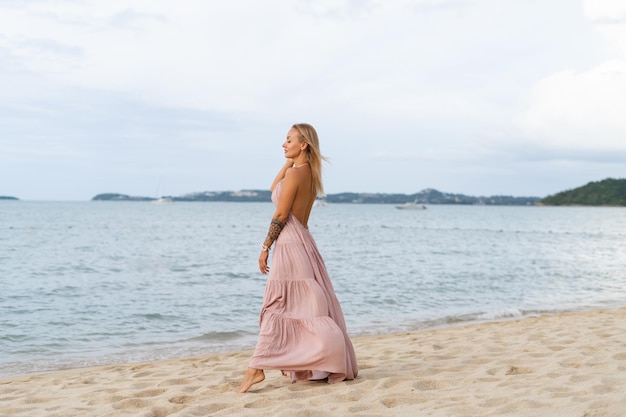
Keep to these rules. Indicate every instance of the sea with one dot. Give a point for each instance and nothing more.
(101, 282)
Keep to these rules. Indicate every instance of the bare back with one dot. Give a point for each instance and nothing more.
(297, 194)
(305, 196)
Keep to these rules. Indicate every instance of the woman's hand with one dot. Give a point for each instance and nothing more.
(281, 174)
(263, 262)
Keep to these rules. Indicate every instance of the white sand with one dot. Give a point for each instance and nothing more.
(570, 365)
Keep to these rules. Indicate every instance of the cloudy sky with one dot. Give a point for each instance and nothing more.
(147, 97)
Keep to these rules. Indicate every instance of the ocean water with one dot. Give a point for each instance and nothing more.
(88, 283)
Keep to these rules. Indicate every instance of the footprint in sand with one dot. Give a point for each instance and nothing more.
(150, 393)
(181, 399)
(516, 370)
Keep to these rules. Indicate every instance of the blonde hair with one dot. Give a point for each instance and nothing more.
(313, 155)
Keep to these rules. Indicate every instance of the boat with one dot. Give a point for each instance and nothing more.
(163, 200)
(411, 205)
(320, 202)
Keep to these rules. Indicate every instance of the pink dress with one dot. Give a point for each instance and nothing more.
(303, 332)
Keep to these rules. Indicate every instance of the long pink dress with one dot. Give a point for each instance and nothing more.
(303, 332)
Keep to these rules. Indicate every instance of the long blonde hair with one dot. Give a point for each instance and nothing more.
(313, 155)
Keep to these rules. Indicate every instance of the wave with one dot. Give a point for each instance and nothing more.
(221, 336)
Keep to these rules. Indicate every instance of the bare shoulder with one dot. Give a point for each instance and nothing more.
(295, 175)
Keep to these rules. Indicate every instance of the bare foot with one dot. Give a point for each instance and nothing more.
(252, 376)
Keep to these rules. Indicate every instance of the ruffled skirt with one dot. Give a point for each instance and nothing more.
(302, 328)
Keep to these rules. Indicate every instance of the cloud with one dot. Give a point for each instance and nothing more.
(605, 11)
(333, 9)
(584, 110)
(212, 56)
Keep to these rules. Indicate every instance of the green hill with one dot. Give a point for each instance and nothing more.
(608, 192)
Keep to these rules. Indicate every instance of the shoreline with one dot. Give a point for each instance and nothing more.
(159, 353)
(558, 364)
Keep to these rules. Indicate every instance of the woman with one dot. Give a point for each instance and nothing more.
(303, 332)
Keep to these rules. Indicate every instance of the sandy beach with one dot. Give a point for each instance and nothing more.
(568, 364)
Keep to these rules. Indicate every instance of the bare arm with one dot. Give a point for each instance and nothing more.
(283, 208)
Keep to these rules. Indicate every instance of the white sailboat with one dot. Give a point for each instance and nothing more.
(161, 199)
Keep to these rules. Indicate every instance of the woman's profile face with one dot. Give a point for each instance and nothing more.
(293, 146)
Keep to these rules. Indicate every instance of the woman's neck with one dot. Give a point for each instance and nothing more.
(299, 162)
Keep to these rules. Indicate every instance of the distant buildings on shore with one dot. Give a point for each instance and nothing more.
(428, 196)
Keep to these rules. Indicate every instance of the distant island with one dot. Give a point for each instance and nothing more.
(608, 192)
(427, 196)
(119, 197)
(6, 197)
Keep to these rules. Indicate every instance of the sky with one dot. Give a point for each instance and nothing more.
(164, 97)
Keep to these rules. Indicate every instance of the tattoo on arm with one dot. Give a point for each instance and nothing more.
(276, 226)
